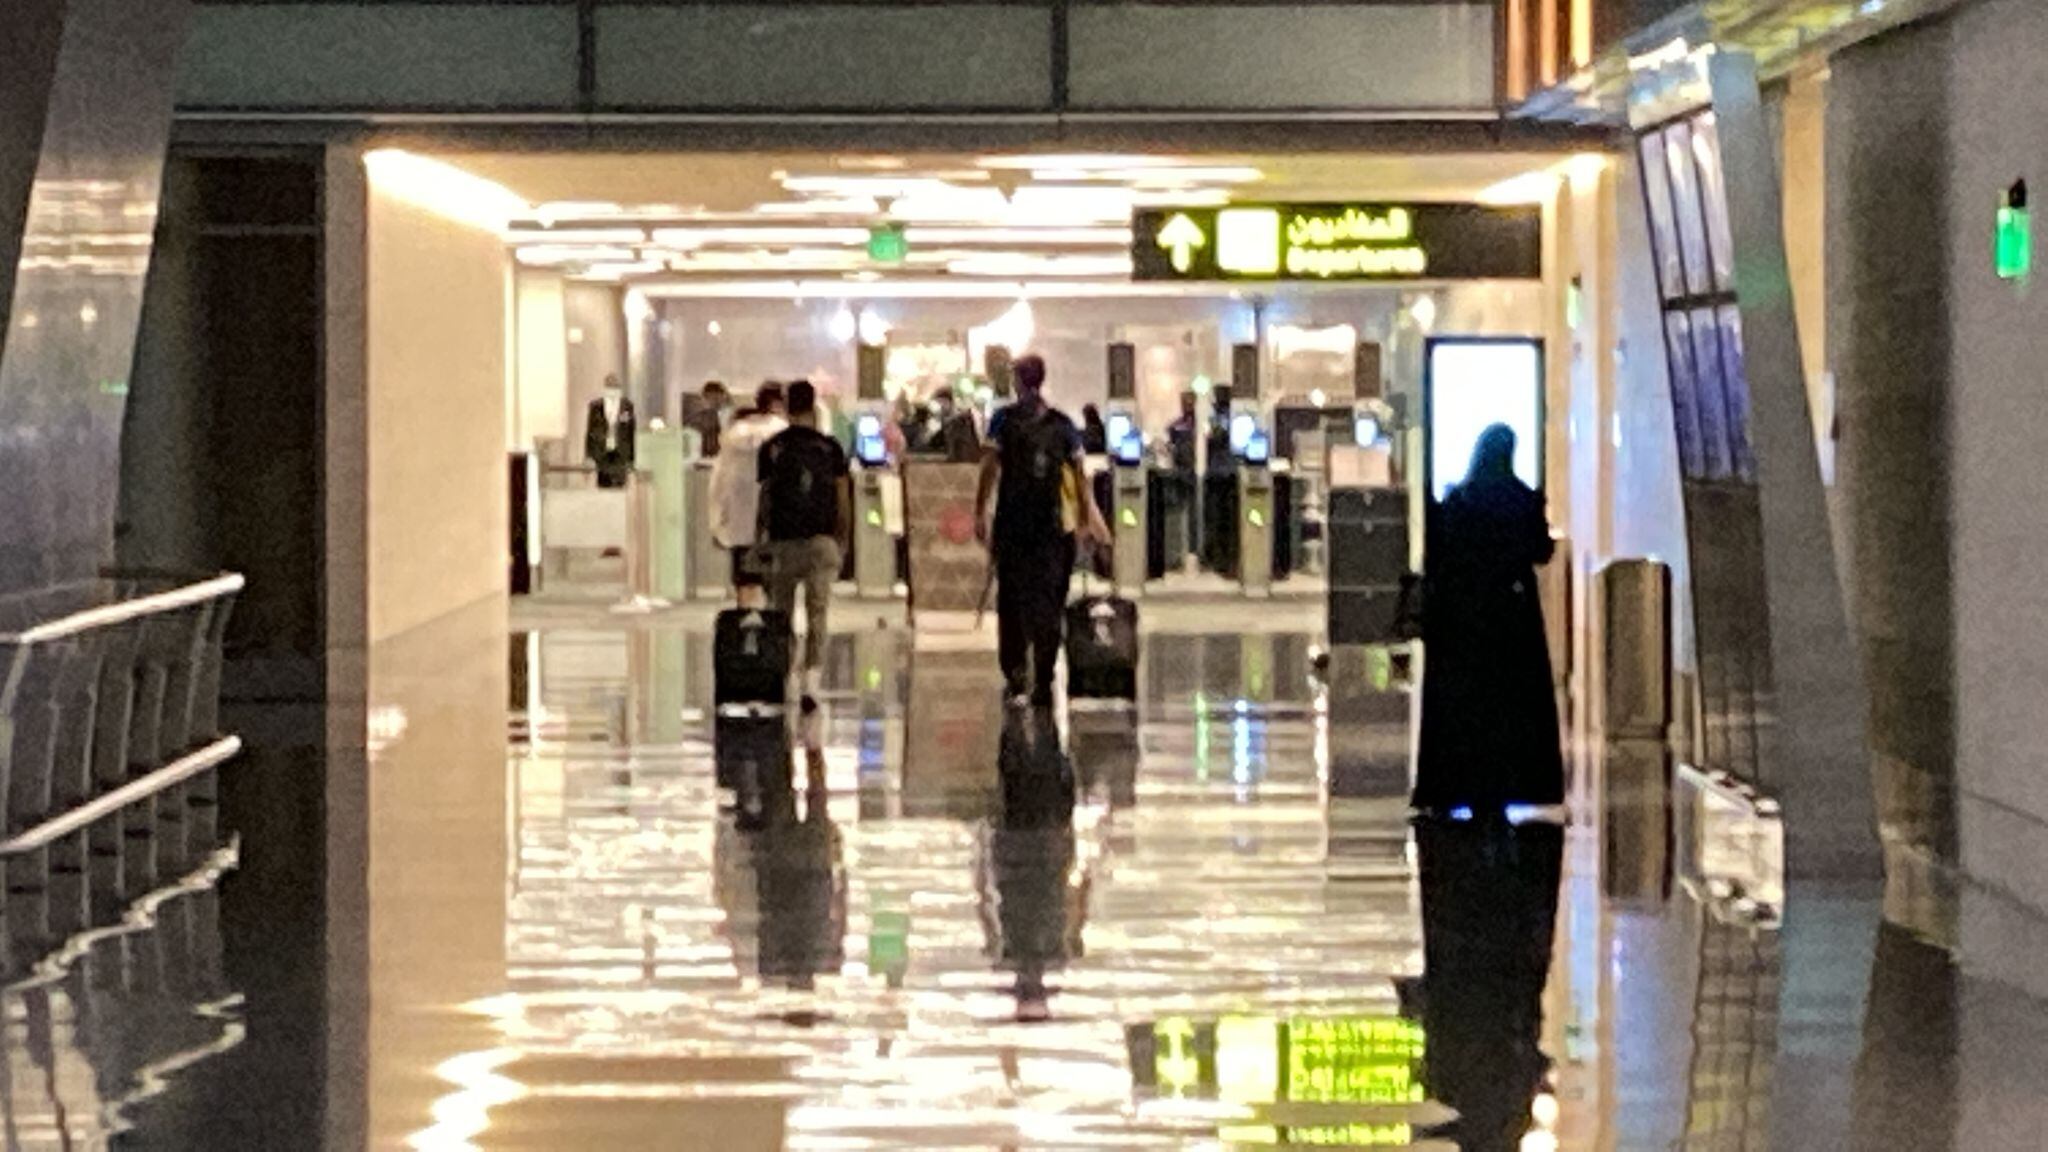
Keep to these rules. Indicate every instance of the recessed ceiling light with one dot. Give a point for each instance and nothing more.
(699, 237)
(823, 206)
(518, 234)
(553, 255)
(1080, 160)
(940, 234)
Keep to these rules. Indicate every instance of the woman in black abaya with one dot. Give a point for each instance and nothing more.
(1489, 715)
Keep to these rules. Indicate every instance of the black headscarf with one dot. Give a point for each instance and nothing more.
(1493, 458)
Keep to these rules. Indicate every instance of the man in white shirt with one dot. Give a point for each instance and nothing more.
(736, 489)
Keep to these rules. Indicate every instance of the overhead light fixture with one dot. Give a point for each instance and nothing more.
(1079, 160)
(1025, 266)
(1180, 198)
(881, 187)
(927, 235)
(842, 327)
(1066, 204)
(951, 204)
(824, 206)
(519, 233)
(873, 329)
(774, 235)
(1153, 177)
(556, 255)
(621, 271)
(555, 210)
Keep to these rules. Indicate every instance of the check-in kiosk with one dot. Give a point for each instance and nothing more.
(1130, 498)
(874, 545)
(1255, 513)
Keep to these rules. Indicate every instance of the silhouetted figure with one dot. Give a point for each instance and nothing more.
(1489, 911)
(1038, 905)
(1489, 713)
(1094, 433)
(1031, 479)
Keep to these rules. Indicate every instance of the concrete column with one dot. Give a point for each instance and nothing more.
(1813, 753)
(1889, 345)
(85, 113)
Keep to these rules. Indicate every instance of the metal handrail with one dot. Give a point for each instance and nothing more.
(177, 771)
(128, 609)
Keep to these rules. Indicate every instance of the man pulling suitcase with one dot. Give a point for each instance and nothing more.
(1031, 467)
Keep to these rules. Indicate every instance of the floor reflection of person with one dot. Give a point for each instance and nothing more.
(1489, 715)
(1034, 901)
(796, 926)
(1489, 914)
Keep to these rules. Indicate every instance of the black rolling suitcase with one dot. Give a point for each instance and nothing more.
(751, 658)
(1102, 649)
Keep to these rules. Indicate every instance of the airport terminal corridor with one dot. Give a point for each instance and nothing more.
(600, 915)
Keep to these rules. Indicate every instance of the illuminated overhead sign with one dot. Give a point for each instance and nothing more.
(1336, 242)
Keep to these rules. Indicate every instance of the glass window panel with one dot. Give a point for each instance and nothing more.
(1663, 229)
(1685, 202)
(1287, 56)
(1735, 374)
(1713, 404)
(1706, 149)
(813, 56)
(1684, 394)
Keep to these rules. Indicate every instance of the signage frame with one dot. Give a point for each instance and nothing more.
(1373, 242)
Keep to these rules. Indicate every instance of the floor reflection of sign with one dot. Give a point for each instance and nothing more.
(948, 567)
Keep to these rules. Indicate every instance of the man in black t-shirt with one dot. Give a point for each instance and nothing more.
(806, 517)
(1039, 507)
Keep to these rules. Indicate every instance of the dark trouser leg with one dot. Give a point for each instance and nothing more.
(1013, 582)
(1048, 617)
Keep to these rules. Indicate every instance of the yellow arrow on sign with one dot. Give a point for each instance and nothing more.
(1180, 237)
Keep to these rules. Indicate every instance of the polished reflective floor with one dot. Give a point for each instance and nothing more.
(588, 913)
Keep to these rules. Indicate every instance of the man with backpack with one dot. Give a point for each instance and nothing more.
(1031, 465)
(807, 521)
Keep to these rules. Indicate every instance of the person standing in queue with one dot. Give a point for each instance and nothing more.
(736, 489)
(1490, 735)
(807, 521)
(708, 417)
(1031, 465)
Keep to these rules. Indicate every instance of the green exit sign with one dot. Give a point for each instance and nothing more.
(886, 244)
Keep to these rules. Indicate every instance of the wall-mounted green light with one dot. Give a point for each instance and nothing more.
(2015, 255)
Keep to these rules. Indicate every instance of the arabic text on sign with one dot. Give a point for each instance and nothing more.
(1352, 226)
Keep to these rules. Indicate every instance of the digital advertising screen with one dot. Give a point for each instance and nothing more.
(1471, 384)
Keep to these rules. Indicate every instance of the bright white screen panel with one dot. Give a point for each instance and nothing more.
(1473, 387)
